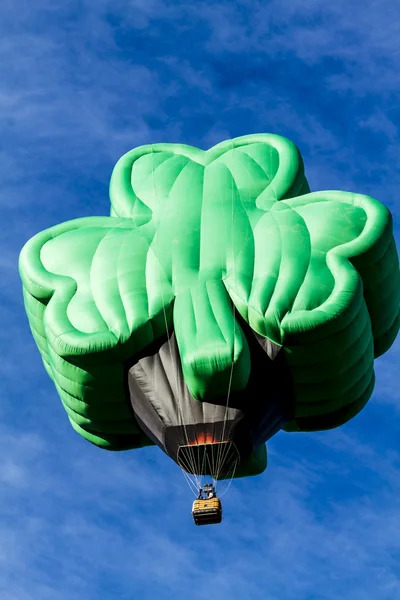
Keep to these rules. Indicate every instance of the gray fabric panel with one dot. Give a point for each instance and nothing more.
(161, 379)
(270, 348)
(139, 390)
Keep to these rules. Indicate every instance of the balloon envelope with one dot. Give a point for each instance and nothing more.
(219, 303)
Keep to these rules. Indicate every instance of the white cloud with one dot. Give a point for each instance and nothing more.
(363, 35)
(89, 517)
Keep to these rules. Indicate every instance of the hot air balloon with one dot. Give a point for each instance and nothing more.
(220, 303)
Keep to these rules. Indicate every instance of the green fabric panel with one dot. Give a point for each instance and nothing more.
(194, 236)
(256, 464)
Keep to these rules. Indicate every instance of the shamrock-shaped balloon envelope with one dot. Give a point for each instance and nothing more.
(219, 303)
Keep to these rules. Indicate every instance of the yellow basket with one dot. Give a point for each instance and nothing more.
(207, 511)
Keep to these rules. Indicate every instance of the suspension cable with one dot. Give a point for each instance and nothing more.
(180, 411)
(219, 461)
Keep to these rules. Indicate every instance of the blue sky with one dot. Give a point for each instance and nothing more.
(80, 84)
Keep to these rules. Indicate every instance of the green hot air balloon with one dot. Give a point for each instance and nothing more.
(219, 303)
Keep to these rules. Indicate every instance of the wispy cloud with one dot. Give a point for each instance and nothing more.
(297, 533)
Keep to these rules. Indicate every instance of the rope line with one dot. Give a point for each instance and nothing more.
(180, 411)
